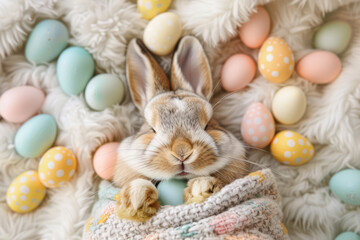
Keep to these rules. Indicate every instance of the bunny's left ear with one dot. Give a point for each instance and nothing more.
(190, 68)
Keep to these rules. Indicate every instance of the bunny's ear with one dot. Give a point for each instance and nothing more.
(145, 76)
(190, 68)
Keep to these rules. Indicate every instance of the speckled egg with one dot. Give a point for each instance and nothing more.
(56, 167)
(46, 41)
(162, 33)
(151, 8)
(276, 60)
(346, 186)
(171, 192)
(18, 104)
(258, 126)
(25, 193)
(291, 148)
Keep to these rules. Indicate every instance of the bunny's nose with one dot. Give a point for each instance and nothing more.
(181, 149)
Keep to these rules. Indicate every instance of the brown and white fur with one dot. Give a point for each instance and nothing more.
(179, 137)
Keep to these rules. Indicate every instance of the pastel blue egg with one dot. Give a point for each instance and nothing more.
(348, 236)
(46, 41)
(74, 69)
(333, 36)
(171, 192)
(346, 186)
(103, 91)
(36, 136)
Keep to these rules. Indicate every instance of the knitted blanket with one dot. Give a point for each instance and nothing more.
(248, 208)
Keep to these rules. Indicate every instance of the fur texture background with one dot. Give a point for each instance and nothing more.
(104, 27)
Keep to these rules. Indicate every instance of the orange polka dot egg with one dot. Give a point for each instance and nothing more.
(57, 166)
(276, 60)
(25, 193)
(291, 148)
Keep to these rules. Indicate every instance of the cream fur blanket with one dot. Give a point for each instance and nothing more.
(104, 27)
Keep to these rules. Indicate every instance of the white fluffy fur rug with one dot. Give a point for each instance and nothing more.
(104, 27)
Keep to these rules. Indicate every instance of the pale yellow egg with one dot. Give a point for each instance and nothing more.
(151, 8)
(276, 60)
(25, 193)
(162, 33)
(291, 148)
(57, 166)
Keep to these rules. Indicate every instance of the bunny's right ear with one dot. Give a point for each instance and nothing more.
(145, 76)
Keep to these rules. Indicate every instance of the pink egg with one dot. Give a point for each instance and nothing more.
(105, 159)
(258, 126)
(319, 67)
(238, 71)
(254, 32)
(19, 104)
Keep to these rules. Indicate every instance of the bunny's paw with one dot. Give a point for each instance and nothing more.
(138, 200)
(199, 189)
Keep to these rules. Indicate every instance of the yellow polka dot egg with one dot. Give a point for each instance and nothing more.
(276, 60)
(291, 148)
(150, 8)
(25, 193)
(56, 167)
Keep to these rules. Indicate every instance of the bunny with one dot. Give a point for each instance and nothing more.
(179, 137)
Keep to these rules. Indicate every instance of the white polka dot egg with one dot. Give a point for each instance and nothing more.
(57, 166)
(291, 148)
(25, 193)
(258, 126)
(276, 60)
(150, 8)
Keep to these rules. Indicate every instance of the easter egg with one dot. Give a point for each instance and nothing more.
(291, 148)
(74, 69)
(319, 67)
(238, 71)
(25, 192)
(258, 126)
(105, 159)
(289, 105)
(345, 185)
(348, 236)
(56, 167)
(35, 136)
(276, 60)
(171, 192)
(162, 33)
(151, 8)
(254, 32)
(104, 90)
(18, 104)
(46, 41)
(333, 36)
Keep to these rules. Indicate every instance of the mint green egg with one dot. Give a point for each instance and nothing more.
(333, 36)
(46, 41)
(171, 192)
(36, 136)
(103, 91)
(348, 236)
(345, 185)
(74, 69)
